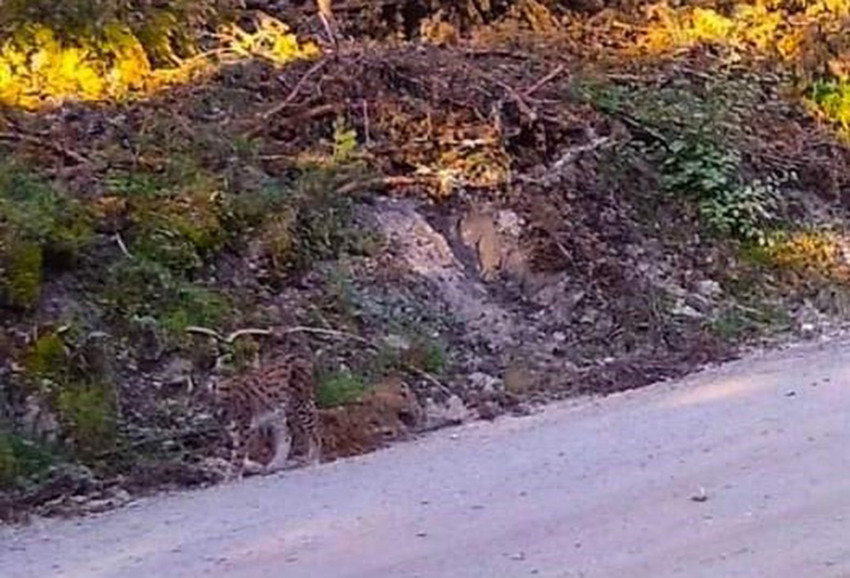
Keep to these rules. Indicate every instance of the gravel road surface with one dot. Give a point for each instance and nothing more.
(742, 470)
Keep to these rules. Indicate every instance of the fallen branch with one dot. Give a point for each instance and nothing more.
(556, 171)
(295, 90)
(231, 337)
(511, 92)
(205, 331)
(640, 127)
(560, 69)
(327, 332)
(316, 111)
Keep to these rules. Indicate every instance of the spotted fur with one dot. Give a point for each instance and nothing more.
(272, 416)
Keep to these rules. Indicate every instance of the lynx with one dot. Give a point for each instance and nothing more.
(272, 415)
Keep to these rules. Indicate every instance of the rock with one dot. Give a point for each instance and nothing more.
(483, 382)
(453, 412)
(397, 342)
(177, 372)
(120, 495)
(488, 410)
(217, 469)
(807, 329)
(709, 288)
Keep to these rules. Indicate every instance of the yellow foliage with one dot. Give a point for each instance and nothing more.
(750, 25)
(818, 252)
(812, 37)
(39, 68)
(769, 27)
(271, 40)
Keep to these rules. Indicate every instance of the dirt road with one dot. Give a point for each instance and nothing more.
(739, 471)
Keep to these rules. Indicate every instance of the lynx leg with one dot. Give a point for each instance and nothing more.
(313, 455)
(282, 442)
(237, 451)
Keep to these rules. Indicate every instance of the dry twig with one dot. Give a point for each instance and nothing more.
(555, 172)
(295, 90)
(560, 69)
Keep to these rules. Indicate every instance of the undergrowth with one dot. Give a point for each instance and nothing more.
(21, 458)
(339, 388)
(39, 227)
(693, 133)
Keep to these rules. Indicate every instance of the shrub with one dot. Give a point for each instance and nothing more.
(47, 358)
(728, 205)
(832, 99)
(89, 414)
(339, 388)
(20, 458)
(143, 288)
(38, 226)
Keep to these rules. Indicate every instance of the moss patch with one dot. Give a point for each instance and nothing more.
(47, 358)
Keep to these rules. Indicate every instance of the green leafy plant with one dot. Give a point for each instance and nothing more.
(728, 206)
(344, 142)
(832, 99)
(743, 211)
(339, 388)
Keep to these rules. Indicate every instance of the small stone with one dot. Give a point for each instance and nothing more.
(519, 556)
(684, 310)
(421, 534)
(177, 372)
(483, 381)
(702, 496)
(397, 342)
(709, 288)
(790, 393)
